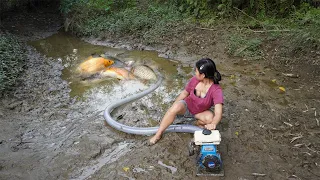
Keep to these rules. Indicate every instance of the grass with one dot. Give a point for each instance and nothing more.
(241, 46)
(299, 33)
(149, 24)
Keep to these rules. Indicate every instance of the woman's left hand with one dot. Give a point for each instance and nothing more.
(210, 126)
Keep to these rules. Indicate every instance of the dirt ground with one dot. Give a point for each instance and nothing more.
(266, 133)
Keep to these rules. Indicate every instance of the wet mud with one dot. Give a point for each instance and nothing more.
(50, 129)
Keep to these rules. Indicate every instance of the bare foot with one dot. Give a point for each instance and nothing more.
(154, 140)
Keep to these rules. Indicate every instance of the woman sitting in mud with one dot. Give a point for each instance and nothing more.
(200, 94)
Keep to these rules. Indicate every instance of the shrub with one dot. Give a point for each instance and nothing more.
(12, 60)
(306, 23)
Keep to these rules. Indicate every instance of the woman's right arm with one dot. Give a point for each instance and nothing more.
(182, 95)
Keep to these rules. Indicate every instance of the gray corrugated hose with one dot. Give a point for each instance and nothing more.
(143, 130)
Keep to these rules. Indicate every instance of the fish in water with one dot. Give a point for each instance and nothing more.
(94, 65)
(143, 72)
(119, 73)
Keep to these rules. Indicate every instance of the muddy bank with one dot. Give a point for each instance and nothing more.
(266, 133)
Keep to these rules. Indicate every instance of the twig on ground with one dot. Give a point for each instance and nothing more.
(293, 176)
(290, 75)
(295, 138)
(306, 109)
(298, 145)
(287, 124)
(307, 153)
(315, 115)
(258, 174)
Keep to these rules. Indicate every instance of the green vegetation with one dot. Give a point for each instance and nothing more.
(245, 47)
(306, 24)
(296, 22)
(12, 60)
(299, 32)
(149, 22)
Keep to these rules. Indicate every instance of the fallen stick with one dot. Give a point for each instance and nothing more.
(290, 75)
(298, 145)
(258, 174)
(294, 176)
(306, 109)
(288, 124)
(307, 153)
(295, 138)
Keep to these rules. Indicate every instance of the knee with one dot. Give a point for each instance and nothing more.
(208, 118)
(176, 108)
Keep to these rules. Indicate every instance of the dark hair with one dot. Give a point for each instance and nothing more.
(208, 68)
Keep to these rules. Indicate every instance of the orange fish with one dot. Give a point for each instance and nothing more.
(93, 65)
(119, 73)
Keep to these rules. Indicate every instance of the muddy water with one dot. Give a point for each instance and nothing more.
(72, 51)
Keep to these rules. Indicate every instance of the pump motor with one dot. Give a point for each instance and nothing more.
(209, 159)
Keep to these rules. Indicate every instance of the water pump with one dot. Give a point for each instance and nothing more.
(208, 160)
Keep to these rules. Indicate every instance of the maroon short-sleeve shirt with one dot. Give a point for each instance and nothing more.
(197, 104)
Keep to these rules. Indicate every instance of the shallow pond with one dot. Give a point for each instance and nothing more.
(72, 51)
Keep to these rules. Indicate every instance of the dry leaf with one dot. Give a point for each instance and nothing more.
(126, 169)
(282, 89)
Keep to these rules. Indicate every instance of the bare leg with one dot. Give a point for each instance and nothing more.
(200, 123)
(204, 118)
(167, 120)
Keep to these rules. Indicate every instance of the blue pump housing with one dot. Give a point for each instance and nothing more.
(210, 159)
